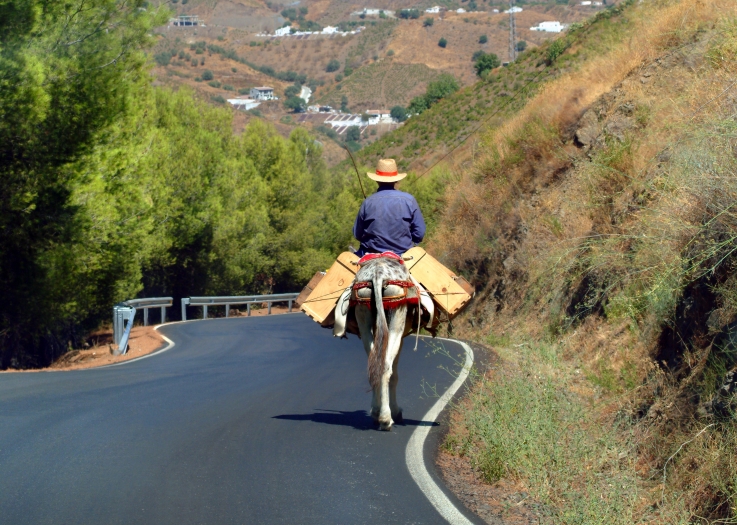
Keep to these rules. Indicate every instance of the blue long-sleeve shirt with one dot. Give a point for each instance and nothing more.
(389, 220)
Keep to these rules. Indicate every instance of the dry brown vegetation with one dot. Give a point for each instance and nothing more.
(598, 225)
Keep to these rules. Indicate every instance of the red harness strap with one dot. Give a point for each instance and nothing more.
(371, 256)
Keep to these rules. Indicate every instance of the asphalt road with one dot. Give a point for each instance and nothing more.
(245, 421)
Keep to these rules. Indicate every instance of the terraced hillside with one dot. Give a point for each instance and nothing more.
(427, 138)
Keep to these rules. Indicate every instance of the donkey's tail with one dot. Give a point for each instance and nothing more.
(377, 358)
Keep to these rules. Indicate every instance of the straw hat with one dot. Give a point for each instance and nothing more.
(386, 171)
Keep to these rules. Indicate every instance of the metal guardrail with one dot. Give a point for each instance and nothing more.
(125, 312)
(152, 302)
(248, 300)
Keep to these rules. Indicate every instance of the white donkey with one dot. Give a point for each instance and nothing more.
(386, 301)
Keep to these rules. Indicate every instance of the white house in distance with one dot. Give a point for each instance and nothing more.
(305, 94)
(549, 27)
(282, 31)
(514, 9)
(460, 10)
(435, 9)
(262, 93)
(329, 30)
(377, 116)
(243, 103)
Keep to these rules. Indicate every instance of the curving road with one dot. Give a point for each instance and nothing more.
(244, 421)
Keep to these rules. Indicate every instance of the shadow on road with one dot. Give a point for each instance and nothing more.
(358, 419)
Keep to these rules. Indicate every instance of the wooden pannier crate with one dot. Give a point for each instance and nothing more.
(321, 301)
(450, 292)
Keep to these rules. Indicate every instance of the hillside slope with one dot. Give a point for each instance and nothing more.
(597, 224)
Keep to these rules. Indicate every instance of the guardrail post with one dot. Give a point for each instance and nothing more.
(145, 316)
(248, 307)
(117, 334)
(290, 306)
(163, 314)
(227, 310)
(269, 311)
(121, 328)
(204, 311)
(185, 302)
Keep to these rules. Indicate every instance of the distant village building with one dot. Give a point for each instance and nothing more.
(377, 116)
(514, 9)
(186, 21)
(549, 27)
(244, 103)
(262, 93)
(290, 31)
(435, 9)
(370, 11)
(460, 10)
(585, 2)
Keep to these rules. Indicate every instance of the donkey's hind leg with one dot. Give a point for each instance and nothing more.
(393, 380)
(396, 331)
(365, 320)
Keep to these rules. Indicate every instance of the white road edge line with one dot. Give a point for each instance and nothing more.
(415, 460)
(171, 344)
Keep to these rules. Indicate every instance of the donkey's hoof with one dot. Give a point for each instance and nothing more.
(386, 426)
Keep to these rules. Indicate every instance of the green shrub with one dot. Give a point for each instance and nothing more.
(332, 66)
(556, 49)
(228, 87)
(214, 83)
(399, 113)
(428, 22)
(163, 59)
(483, 39)
(485, 62)
(353, 133)
(442, 42)
(292, 91)
(390, 53)
(409, 14)
(294, 103)
(207, 75)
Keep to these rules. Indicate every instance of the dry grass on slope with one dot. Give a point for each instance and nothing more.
(599, 227)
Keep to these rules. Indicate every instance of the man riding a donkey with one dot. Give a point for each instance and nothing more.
(387, 301)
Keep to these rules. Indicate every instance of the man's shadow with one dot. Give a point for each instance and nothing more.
(358, 419)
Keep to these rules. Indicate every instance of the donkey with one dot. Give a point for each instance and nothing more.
(382, 306)
(384, 297)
